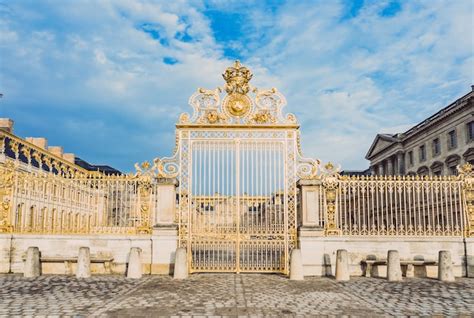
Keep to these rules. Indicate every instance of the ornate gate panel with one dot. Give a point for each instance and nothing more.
(238, 162)
(238, 211)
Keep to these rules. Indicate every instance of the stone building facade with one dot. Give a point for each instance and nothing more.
(436, 146)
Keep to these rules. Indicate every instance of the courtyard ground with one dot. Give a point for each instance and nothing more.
(244, 295)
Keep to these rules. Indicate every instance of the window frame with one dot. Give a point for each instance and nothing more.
(469, 129)
(422, 153)
(436, 143)
(450, 145)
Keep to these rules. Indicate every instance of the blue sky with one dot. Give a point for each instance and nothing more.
(107, 79)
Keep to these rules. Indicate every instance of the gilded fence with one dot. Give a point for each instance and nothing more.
(418, 206)
(48, 203)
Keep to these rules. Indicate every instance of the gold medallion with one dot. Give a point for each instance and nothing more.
(237, 104)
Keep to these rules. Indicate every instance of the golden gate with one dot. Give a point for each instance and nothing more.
(239, 162)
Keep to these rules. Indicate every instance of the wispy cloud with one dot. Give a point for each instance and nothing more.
(107, 79)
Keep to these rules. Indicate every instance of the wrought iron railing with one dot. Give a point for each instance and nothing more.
(412, 206)
(48, 203)
(397, 205)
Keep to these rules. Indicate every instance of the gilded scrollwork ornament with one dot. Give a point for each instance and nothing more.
(6, 187)
(330, 174)
(466, 173)
(242, 104)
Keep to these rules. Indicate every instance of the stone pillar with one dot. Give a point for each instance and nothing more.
(310, 210)
(410, 271)
(394, 271)
(296, 265)
(32, 263)
(165, 230)
(83, 263)
(181, 264)
(401, 163)
(166, 193)
(382, 168)
(445, 267)
(389, 167)
(342, 266)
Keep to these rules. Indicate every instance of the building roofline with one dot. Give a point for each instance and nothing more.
(425, 124)
(438, 115)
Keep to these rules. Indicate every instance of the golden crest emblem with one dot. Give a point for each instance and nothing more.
(237, 104)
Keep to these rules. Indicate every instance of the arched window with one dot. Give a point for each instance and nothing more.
(422, 171)
(437, 168)
(452, 162)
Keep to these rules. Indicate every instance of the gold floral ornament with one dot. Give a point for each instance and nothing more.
(263, 117)
(330, 183)
(214, 117)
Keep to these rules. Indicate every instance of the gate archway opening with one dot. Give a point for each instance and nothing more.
(238, 161)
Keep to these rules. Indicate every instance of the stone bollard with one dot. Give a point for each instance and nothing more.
(84, 263)
(134, 269)
(32, 263)
(394, 270)
(342, 266)
(181, 264)
(445, 267)
(410, 271)
(296, 265)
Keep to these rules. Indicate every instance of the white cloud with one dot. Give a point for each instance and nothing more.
(346, 79)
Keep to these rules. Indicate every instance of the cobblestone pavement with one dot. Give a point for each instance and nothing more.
(251, 295)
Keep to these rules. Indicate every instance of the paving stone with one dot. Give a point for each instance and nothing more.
(228, 295)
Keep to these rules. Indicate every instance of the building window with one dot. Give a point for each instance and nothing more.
(410, 158)
(436, 147)
(422, 153)
(470, 131)
(452, 139)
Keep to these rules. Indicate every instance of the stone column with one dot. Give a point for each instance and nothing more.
(32, 263)
(165, 230)
(342, 266)
(389, 166)
(401, 163)
(445, 267)
(84, 263)
(394, 271)
(380, 167)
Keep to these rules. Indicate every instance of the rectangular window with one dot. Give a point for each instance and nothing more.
(470, 131)
(436, 147)
(452, 139)
(422, 153)
(410, 158)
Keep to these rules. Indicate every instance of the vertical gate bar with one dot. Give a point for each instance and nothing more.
(237, 164)
(285, 164)
(189, 201)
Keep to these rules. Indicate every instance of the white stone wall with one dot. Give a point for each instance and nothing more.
(318, 252)
(157, 251)
(316, 249)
